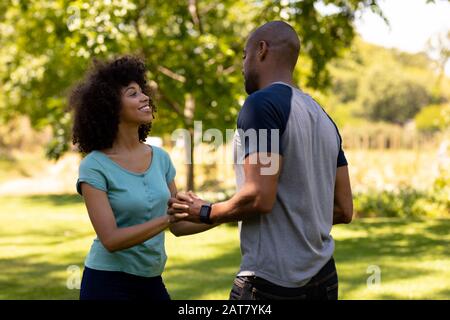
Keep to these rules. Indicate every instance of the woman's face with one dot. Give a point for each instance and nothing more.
(136, 106)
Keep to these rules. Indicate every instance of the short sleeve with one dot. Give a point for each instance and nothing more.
(261, 124)
(170, 169)
(91, 173)
(341, 160)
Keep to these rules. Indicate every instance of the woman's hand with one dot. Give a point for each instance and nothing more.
(174, 218)
(179, 207)
(187, 203)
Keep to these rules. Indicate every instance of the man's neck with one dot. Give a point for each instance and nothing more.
(285, 77)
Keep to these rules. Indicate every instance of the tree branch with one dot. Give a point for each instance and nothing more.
(171, 74)
(173, 104)
(193, 10)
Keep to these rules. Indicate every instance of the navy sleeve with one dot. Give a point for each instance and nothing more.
(262, 120)
(341, 160)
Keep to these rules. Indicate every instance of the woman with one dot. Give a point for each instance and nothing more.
(125, 183)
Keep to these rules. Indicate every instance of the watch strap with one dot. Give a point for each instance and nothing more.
(205, 212)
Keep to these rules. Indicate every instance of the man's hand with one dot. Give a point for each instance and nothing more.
(188, 203)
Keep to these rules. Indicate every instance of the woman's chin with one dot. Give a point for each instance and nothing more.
(146, 120)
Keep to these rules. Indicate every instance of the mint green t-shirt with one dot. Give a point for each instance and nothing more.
(134, 199)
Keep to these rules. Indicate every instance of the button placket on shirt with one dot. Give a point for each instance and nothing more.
(147, 188)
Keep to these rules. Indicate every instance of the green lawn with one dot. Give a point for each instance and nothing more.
(42, 236)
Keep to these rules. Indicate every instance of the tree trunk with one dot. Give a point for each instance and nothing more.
(189, 116)
(190, 166)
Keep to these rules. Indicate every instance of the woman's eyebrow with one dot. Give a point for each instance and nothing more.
(130, 88)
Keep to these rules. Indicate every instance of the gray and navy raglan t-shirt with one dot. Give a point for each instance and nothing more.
(292, 243)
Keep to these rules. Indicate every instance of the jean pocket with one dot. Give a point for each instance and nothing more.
(332, 291)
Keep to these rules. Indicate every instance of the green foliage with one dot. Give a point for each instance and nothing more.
(441, 189)
(192, 49)
(388, 96)
(380, 84)
(406, 201)
(433, 118)
(387, 203)
(325, 27)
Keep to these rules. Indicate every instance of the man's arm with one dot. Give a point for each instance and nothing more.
(183, 228)
(343, 202)
(262, 161)
(257, 195)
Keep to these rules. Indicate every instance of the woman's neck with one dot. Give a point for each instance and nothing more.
(127, 139)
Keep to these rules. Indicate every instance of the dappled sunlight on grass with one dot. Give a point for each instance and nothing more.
(413, 257)
(43, 235)
(202, 266)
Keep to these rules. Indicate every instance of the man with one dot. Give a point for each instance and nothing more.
(293, 181)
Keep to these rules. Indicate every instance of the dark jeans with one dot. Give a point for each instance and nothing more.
(323, 286)
(112, 285)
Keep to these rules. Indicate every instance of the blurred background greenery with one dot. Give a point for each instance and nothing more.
(392, 108)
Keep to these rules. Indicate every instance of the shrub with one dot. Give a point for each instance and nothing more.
(433, 118)
(405, 202)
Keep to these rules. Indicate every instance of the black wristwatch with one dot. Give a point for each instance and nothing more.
(205, 212)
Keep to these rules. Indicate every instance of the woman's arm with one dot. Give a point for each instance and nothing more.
(184, 228)
(112, 237)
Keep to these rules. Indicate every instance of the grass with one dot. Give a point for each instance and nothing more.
(43, 236)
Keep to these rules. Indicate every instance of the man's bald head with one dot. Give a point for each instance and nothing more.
(281, 39)
(270, 55)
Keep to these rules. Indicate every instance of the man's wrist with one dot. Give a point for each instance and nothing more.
(213, 215)
(205, 213)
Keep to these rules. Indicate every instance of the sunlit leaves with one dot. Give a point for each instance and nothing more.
(191, 49)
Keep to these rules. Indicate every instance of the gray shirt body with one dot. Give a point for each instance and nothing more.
(289, 245)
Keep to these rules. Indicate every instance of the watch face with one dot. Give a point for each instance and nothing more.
(204, 213)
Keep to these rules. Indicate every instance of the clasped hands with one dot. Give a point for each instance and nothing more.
(185, 206)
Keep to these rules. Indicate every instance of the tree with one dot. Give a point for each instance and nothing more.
(387, 95)
(325, 28)
(192, 48)
(433, 118)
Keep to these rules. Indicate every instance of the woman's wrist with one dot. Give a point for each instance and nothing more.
(170, 219)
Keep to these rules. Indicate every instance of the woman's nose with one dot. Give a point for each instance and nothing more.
(145, 97)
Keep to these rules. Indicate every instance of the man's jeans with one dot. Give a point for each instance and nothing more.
(323, 286)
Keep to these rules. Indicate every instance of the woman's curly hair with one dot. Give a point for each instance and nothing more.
(97, 102)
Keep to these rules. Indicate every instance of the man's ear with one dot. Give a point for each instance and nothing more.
(263, 48)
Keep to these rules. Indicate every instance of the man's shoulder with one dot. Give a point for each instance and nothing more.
(271, 94)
